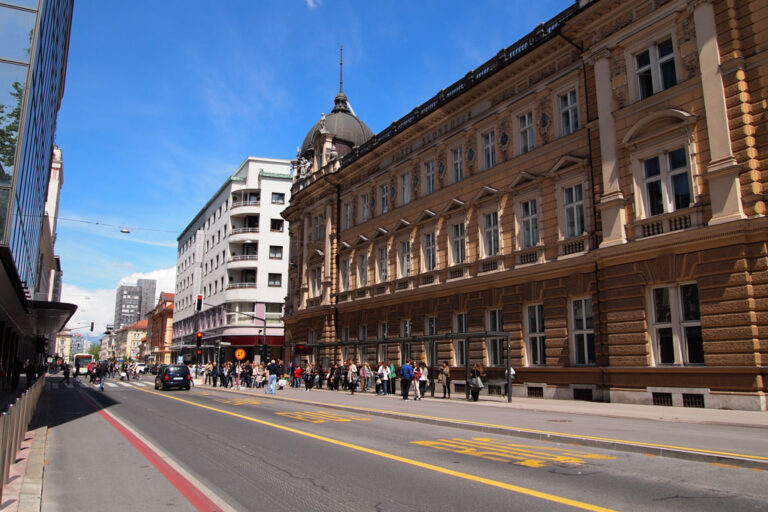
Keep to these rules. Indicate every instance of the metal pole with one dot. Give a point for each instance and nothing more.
(509, 373)
(4, 418)
(465, 348)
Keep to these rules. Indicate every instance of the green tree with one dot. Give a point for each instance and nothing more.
(9, 127)
(94, 351)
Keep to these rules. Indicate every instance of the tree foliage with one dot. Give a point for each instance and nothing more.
(94, 351)
(9, 127)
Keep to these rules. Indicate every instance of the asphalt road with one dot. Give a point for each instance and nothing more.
(256, 453)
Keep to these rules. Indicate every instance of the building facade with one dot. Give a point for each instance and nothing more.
(234, 255)
(128, 341)
(133, 302)
(160, 330)
(33, 61)
(589, 203)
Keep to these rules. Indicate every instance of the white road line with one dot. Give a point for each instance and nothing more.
(125, 385)
(111, 384)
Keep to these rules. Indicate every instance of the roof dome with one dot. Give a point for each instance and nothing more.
(342, 123)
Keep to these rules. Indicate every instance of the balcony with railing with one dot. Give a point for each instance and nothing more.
(243, 261)
(573, 246)
(245, 208)
(529, 256)
(680, 220)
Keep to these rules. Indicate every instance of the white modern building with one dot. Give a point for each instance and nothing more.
(234, 254)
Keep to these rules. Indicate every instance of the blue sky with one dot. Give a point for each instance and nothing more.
(164, 99)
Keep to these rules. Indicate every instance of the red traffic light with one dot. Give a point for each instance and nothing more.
(199, 352)
(199, 302)
(199, 335)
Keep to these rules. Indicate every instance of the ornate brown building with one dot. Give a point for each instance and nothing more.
(160, 330)
(596, 191)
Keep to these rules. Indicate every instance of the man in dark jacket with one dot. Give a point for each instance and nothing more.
(273, 370)
(406, 376)
(101, 374)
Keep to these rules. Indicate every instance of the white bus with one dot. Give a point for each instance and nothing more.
(80, 366)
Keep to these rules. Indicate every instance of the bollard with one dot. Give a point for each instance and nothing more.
(8, 442)
(15, 441)
(3, 467)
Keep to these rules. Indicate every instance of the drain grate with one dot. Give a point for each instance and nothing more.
(662, 399)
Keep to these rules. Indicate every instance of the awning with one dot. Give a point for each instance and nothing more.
(50, 317)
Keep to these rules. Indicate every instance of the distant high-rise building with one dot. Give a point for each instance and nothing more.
(132, 302)
(33, 62)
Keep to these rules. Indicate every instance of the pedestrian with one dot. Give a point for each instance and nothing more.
(309, 377)
(320, 376)
(423, 378)
(416, 378)
(444, 378)
(352, 376)
(65, 378)
(406, 376)
(272, 377)
(296, 377)
(101, 373)
(476, 381)
(511, 375)
(392, 377)
(383, 376)
(364, 375)
(208, 370)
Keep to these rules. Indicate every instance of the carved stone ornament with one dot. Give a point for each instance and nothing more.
(691, 64)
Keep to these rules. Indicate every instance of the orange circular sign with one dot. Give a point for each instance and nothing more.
(240, 354)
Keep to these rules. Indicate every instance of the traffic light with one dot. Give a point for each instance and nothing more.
(199, 306)
(199, 352)
(266, 353)
(91, 326)
(198, 339)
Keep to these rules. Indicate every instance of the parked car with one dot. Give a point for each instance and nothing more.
(173, 376)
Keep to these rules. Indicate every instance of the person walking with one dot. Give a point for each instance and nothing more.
(65, 378)
(309, 377)
(476, 381)
(423, 379)
(101, 373)
(352, 376)
(444, 378)
(383, 372)
(406, 376)
(271, 377)
(392, 377)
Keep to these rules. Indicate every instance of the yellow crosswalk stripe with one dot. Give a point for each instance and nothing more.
(321, 417)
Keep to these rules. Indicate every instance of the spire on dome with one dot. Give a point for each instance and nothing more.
(341, 68)
(340, 103)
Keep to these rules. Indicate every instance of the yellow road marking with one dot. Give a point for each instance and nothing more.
(502, 451)
(533, 431)
(240, 401)
(321, 417)
(410, 462)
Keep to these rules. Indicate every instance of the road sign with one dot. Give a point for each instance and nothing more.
(240, 354)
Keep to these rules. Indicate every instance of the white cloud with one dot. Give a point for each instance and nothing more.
(98, 305)
(313, 3)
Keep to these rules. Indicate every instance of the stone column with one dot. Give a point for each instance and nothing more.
(612, 201)
(303, 271)
(328, 257)
(722, 171)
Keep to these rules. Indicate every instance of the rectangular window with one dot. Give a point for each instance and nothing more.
(655, 69)
(430, 262)
(405, 258)
(384, 191)
(526, 132)
(569, 113)
(429, 177)
(316, 281)
(535, 335)
(677, 325)
(275, 280)
(364, 204)
(431, 326)
(460, 348)
(574, 211)
(383, 330)
(667, 182)
(345, 334)
(382, 264)
(458, 165)
(318, 227)
(275, 252)
(276, 225)
(362, 270)
(583, 332)
(406, 331)
(491, 234)
(495, 345)
(530, 224)
(345, 274)
(278, 198)
(458, 245)
(405, 188)
(363, 334)
(347, 216)
(489, 149)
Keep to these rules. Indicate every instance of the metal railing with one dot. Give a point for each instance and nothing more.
(13, 426)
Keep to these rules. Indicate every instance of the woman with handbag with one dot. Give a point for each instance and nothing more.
(476, 376)
(444, 378)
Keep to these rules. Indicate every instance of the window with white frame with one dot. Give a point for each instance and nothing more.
(489, 149)
(405, 188)
(655, 68)
(275, 280)
(525, 126)
(364, 204)
(666, 182)
(347, 216)
(460, 346)
(405, 258)
(381, 264)
(429, 177)
(676, 325)
(278, 198)
(384, 192)
(458, 165)
(275, 252)
(362, 269)
(529, 224)
(583, 332)
(344, 273)
(491, 233)
(534, 334)
(430, 254)
(569, 112)
(573, 200)
(406, 352)
(495, 345)
(383, 330)
(316, 281)
(458, 243)
(431, 325)
(345, 334)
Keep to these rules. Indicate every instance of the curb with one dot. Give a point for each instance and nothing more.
(651, 449)
(31, 495)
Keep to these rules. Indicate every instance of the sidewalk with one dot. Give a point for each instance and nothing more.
(712, 435)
